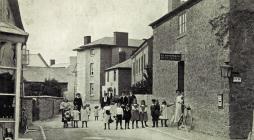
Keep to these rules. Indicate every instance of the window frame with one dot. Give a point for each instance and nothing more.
(114, 75)
(91, 89)
(182, 23)
(92, 53)
(91, 69)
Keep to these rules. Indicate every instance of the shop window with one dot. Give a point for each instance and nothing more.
(7, 105)
(7, 83)
(7, 54)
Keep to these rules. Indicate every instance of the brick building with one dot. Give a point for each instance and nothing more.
(194, 42)
(94, 57)
(118, 78)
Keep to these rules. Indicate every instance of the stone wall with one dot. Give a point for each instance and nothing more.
(203, 58)
(241, 98)
(48, 106)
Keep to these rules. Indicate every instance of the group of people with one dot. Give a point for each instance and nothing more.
(77, 112)
(125, 108)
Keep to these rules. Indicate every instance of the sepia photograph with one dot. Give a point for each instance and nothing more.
(126, 69)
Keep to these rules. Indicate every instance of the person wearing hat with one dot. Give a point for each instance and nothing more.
(105, 101)
(135, 113)
(155, 112)
(179, 108)
(78, 102)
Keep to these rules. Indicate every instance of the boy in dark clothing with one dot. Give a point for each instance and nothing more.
(155, 112)
(127, 116)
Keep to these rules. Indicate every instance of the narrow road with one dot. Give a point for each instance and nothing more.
(95, 131)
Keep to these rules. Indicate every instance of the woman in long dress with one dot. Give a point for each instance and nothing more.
(178, 108)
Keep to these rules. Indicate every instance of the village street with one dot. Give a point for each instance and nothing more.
(53, 131)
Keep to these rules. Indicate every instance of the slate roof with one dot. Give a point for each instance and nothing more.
(39, 74)
(11, 29)
(123, 65)
(174, 12)
(109, 41)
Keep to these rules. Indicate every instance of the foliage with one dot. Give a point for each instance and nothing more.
(227, 22)
(49, 88)
(144, 86)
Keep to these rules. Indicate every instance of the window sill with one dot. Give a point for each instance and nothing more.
(181, 36)
(91, 95)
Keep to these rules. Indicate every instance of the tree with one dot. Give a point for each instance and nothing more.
(52, 88)
(145, 86)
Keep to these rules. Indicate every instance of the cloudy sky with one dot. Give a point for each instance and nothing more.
(58, 26)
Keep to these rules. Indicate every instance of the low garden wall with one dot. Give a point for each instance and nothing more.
(41, 107)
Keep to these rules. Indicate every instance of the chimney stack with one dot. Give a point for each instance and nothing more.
(173, 4)
(52, 62)
(121, 38)
(87, 40)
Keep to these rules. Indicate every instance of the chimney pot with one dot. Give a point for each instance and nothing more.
(87, 40)
(52, 62)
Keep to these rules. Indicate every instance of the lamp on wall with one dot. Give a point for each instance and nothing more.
(226, 70)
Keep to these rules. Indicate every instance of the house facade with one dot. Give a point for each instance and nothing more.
(195, 43)
(118, 78)
(141, 60)
(94, 57)
(12, 43)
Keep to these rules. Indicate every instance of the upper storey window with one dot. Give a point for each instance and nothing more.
(182, 23)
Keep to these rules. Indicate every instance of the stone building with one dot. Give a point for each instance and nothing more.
(196, 42)
(94, 57)
(118, 78)
(12, 43)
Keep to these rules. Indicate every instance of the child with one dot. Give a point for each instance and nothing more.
(155, 112)
(89, 113)
(119, 115)
(75, 115)
(164, 113)
(134, 115)
(84, 115)
(127, 116)
(96, 113)
(143, 114)
(106, 116)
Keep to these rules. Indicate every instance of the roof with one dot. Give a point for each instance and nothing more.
(174, 12)
(40, 74)
(11, 29)
(16, 13)
(123, 65)
(142, 46)
(32, 60)
(109, 41)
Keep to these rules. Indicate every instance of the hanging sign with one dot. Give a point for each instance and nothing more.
(170, 57)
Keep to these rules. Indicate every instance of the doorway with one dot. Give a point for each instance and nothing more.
(181, 76)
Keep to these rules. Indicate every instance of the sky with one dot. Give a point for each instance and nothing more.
(56, 27)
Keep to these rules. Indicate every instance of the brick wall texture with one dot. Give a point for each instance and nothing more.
(203, 56)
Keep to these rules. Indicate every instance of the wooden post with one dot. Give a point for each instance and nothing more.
(17, 89)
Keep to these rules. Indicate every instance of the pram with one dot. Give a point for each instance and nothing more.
(67, 118)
